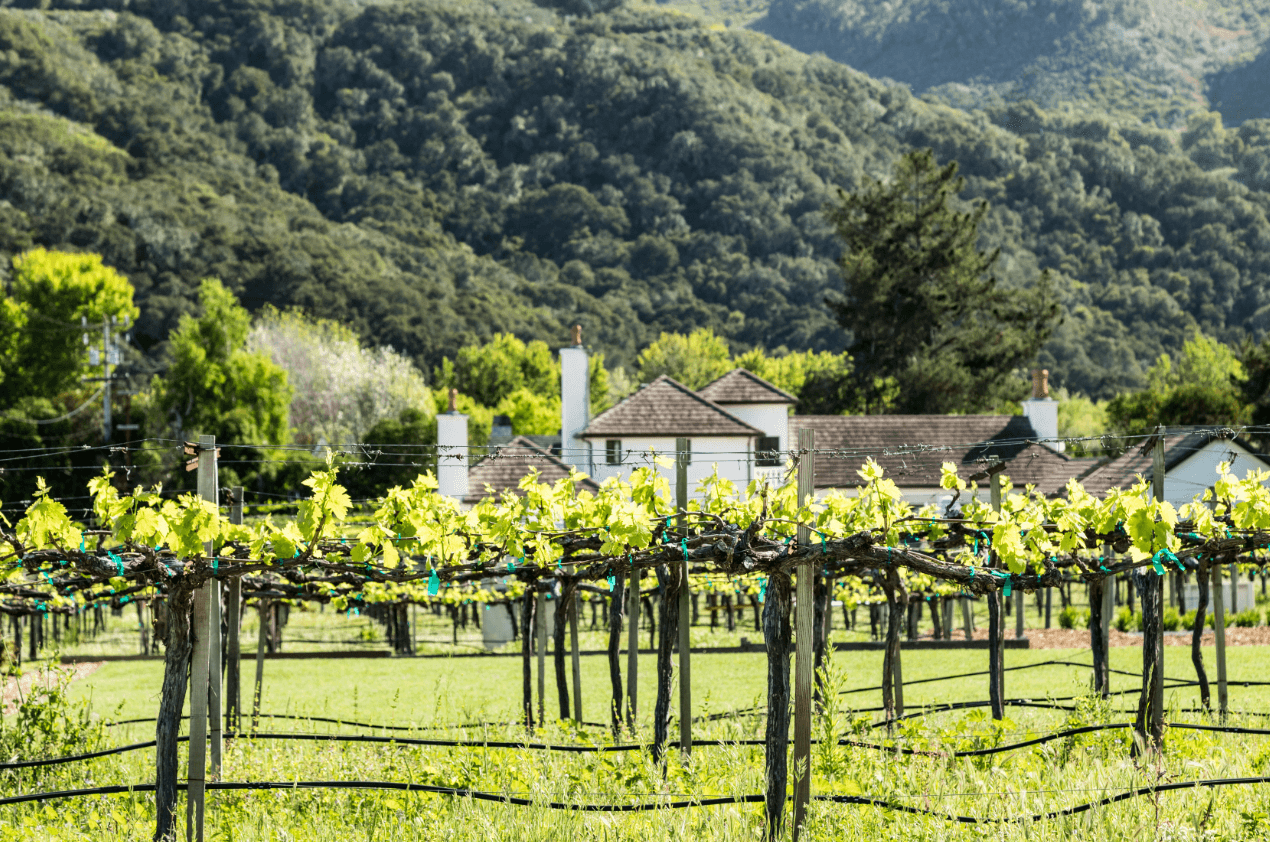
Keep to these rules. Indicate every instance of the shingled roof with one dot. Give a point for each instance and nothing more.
(1179, 444)
(912, 449)
(667, 408)
(741, 386)
(504, 469)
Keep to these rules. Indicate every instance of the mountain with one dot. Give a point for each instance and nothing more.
(1157, 59)
(432, 172)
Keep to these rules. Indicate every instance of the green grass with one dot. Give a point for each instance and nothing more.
(312, 629)
(424, 691)
(427, 691)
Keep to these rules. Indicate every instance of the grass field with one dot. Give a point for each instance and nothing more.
(312, 629)
(460, 691)
(432, 691)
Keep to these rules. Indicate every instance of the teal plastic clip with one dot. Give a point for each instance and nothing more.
(1007, 589)
(434, 583)
(972, 571)
(684, 544)
(822, 544)
(762, 590)
(1166, 555)
(612, 583)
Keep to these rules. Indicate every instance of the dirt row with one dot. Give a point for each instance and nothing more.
(1079, 638)
(17, 689)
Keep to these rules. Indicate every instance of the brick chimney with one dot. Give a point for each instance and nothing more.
(575, 403)
(1042, 410)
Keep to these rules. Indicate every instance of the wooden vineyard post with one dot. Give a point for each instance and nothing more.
(1219, 636)
(805, 651)
(776, 736)
(685, 646)
(1153, 620)
(264, 610)
(618, 592)
(200, 685)
(526, 658)
(176, 662)
(1018, 612)
(632, 648)
(233, 620)
(576, 657)
(1197, 635)
(965, 617)
(540, 624)
(996, 631)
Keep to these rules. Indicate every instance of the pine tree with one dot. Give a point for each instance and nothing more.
(932, 330)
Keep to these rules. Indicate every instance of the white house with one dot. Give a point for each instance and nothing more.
(1191, 457)
(741, 423)
(653, 418)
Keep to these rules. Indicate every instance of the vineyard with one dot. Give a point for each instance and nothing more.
(1108, 745)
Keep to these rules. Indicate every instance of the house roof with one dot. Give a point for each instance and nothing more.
(667, 408)
(504, 469)
(1180, 444)
(912, 449)
(741, 386)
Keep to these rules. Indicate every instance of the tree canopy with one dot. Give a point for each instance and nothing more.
(42, 342)
(433, 174)
(929, 321)
(1203, 387)
(214, 385)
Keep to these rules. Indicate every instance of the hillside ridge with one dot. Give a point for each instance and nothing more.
(433, 172)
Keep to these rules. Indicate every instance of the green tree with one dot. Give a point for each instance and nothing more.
(1255, 359)
(694, 360)
(1079, 417)
(820, 380)
(491, 371)
(214, 385)
(41, 349)
(919, 299)
(531, 413)
(411, 432)
(1206, 386)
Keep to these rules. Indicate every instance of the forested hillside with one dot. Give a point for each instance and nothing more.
(1155, 59)
(434, 172)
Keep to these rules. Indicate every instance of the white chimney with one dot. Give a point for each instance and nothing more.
(1042, 410)
(575, 403)
(452, 451)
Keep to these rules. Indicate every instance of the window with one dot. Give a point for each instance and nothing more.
(768, 452)
(613, 451)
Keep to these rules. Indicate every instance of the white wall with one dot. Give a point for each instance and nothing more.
(1043, 413)
(771, 418)
(575, 405)
(914, 496)
(1243, 598)
(1199, 471)
(732, 454)
(452, 454)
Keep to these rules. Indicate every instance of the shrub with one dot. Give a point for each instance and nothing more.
(1188, 620)
(1246, 619)
(1126, 620)
(1072, 617)
(1172, 619)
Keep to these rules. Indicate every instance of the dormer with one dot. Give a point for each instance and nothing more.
(759, 404)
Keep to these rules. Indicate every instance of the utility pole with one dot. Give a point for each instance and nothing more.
(107, 357)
